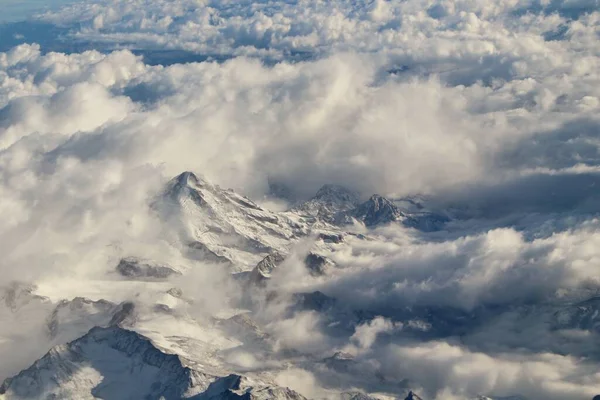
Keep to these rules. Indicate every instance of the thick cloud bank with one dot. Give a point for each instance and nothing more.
(487, 110)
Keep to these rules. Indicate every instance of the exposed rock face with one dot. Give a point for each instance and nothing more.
(175, 292)
(317, 264)
(200, 251)
(377, 211)
(124, 315)
(134, 268)
(412, 396)
(234, 387)
(331, 237)
(266, 266)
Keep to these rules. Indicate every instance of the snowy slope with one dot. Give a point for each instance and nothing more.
(328, 202)
(115, 363)
(107, 363)
(164, 341)
(222, 226)
(33, 324)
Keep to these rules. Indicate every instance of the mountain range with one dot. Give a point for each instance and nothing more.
(155, 346)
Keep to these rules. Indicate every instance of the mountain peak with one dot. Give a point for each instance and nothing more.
(184, 186)
(377, 210)
(379, 201)
(336, 194)
(329, 201)
(115, 358)
(266, 266)
(187, 178)
(412, 396)
(221, 225)
(117, 363)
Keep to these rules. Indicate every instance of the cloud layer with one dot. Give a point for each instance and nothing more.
(489, 109)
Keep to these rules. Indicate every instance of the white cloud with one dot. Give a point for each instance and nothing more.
(445, 371)
(366, 334)
(301, 333)
(470, 271)
(487, 108)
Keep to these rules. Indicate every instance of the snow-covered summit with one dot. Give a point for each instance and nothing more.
(218, 225)
(222, 226)
(328, 202)
(116, 363)
(110, 363)
(376, 210)
(338, 206)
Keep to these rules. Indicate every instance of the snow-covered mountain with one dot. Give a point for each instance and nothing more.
(337, 205)
(222, 226)
(105, 363)
(32, 324)
(328, 203)
(115, 363)
(157, 345)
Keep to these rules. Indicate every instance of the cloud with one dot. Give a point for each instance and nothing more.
(468, 272)
(243, 117)
(366, 334)
(300, 333)
(489, 109)
(445, 370)
(301, 381)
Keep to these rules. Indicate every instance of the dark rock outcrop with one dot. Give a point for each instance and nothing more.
(134, 268)
(317, 264)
